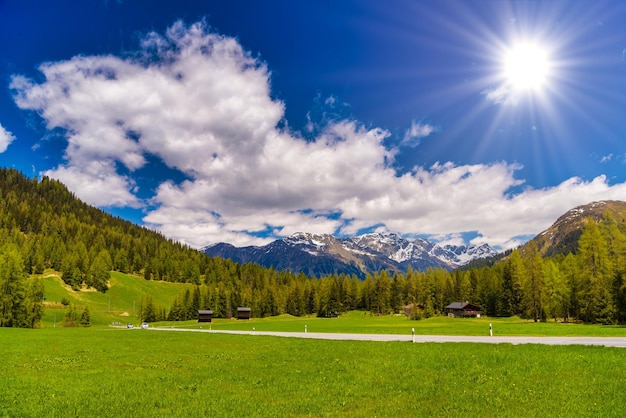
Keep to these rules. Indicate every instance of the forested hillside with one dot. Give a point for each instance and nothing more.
(53, 229)
(43, 226)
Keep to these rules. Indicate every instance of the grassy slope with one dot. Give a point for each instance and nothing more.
(120, 303)
(118, 372)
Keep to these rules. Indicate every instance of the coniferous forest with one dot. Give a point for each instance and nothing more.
(44, 226)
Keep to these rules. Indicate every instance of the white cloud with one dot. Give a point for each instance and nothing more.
(97, 183)
(449, 239)
(197, 98)
(606, 158)
(417, 131)
(6, 138)
(202, 105)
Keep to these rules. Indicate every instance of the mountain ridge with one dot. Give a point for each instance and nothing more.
(322, 254)
(562, 236)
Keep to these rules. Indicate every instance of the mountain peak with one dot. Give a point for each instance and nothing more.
(562, 236)
(322, 254)
(318, 240)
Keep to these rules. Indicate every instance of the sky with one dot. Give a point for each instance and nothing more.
(246, 121)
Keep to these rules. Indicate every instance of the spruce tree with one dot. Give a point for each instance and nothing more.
(35, 296)
(13, 312)
(85, 318)
(149, 313)
(596, 270)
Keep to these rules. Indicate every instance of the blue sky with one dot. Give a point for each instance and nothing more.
(246, 121)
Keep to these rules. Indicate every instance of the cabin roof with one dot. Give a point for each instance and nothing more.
(463, 305)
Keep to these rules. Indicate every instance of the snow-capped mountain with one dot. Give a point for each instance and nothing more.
(322, 254)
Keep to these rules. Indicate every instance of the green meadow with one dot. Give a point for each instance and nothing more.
(364, 323)
(107, 372)
(103, 371)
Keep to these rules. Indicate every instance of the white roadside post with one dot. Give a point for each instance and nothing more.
(413, 334)
(305, 329)
(490, 330)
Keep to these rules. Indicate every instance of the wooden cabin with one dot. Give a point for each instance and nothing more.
(205, 315)
(243, 313)
(463, 310)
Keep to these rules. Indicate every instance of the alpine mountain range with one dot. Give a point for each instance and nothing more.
(318, 255)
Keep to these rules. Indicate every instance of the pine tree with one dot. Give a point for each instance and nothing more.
(13, 312)
(71, 317)
(194, 304)
(533, 283)
(311, 300)
(85, 318)
(99, 272)
(148, 313)
(511, 284)
(295, 302)
(35, 296)
(557, 292)
(176, 311)
(596, 271)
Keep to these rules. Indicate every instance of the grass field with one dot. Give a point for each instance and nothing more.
(108, 372)
(101, 372)
(362, 322)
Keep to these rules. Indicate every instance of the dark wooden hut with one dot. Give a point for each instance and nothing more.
(463, 310)
(243, 313)
(205, 315)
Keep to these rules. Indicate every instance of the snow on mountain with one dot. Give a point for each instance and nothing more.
(461, 255)
(321, 254)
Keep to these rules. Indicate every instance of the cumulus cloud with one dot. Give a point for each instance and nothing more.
(193, 98)
(416, 132)
(98, 183)
(6, 138)
(202, 105)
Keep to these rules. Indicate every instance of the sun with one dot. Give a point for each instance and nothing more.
(526, 67)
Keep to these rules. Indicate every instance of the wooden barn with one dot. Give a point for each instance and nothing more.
(243, 313)
(463, 310)
(205, 315)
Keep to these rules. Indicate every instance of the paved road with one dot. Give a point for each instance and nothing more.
(601, 341)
